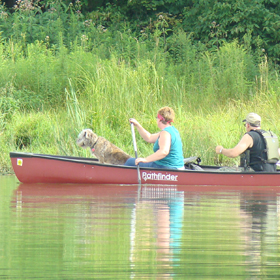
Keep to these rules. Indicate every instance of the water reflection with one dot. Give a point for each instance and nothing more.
(157, 220)
(121, 232)
(259, 215)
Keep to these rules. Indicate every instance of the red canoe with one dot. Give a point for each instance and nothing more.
(39, 168)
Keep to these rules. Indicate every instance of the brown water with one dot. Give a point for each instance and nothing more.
(121, 232)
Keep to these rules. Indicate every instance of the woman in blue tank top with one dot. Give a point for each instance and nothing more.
(168, 152)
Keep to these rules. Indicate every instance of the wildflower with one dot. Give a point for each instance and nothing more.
(88, 22)
(101, 28)
(52, 10)
(84, 38)
(25, 5)
(4, 15)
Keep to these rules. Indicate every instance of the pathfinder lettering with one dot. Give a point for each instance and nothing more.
(159, 176)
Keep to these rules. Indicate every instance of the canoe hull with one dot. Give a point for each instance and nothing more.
(36, 168)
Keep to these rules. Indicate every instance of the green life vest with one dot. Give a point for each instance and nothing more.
(271, 144)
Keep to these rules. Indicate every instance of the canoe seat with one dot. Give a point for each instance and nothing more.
(190, 160)
(192, 163)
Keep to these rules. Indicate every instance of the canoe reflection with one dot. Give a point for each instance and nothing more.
(66, 192)
(63, 191)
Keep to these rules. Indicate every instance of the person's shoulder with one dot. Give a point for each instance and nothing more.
(247, 137)
(168, 128)
(252, 132)
(255, 134)
(171, 128)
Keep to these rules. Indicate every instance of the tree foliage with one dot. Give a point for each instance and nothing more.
(254, 23)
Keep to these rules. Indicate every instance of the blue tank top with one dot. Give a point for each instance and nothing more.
(175, 157)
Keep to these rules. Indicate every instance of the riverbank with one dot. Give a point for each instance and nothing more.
(47, 98)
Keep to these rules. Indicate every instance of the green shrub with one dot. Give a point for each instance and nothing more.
(28, 131)
(8, 104)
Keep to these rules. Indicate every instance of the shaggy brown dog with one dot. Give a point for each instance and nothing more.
(105, 151)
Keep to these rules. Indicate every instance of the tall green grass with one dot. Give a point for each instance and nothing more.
(51, 94)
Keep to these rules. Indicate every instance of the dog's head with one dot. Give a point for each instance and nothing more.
(86, 138)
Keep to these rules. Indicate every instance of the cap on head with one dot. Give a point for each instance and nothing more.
(253, 119)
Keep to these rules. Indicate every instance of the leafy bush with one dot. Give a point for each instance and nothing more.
(34, 129)
(8, 104)
(215, 22)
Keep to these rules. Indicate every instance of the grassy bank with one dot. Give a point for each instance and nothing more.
(48, 96)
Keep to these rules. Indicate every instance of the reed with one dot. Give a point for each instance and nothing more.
(54, 93)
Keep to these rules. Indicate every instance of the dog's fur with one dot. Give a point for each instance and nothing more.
(105, 151)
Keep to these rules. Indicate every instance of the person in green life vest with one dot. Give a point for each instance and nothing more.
(168, 152)
(258, 149)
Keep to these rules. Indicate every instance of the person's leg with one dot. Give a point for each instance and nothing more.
(130, 162)
(146, 164)
(154, 165)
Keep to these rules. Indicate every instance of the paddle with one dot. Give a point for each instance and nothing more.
(135, 150)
